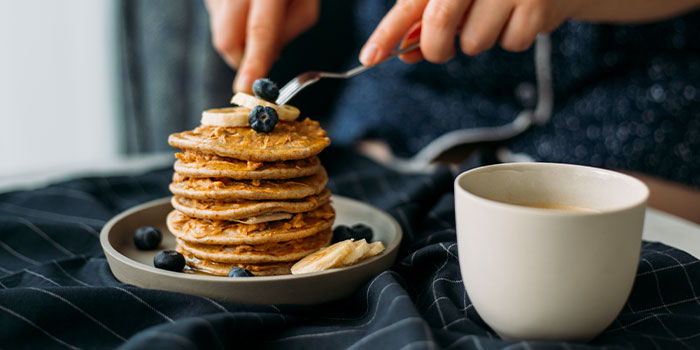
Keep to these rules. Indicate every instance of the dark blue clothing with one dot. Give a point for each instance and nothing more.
(625, 97)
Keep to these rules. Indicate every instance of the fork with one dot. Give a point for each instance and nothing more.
(303, 80)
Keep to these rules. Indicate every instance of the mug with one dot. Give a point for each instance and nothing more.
(548, 251)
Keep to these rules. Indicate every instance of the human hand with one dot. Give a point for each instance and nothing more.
(479, 23)
(249, 34)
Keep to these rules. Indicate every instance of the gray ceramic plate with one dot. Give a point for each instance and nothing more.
(135, 267)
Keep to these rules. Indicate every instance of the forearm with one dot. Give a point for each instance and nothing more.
(632, 11)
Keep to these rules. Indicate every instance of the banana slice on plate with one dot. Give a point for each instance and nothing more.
(325, 258)
(374, 248)
(284, 112)
(228, 116)
(345, 253)
(360, 249)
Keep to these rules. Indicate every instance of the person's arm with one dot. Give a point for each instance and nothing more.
(248, 34)
(512, 23)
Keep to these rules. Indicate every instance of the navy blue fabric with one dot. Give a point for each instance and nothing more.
(625, 97)
(57, 292)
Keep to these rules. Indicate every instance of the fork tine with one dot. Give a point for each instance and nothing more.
(287, 91)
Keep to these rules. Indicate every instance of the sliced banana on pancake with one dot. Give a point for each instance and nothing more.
(324, 259)
(284, 112)
(228, 116)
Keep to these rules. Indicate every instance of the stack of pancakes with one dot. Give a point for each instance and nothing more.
(249, 199)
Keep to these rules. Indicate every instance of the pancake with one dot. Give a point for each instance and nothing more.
(224, 232)
(222, 188)
(196, 164)
(289, 140)
(242, 209)
(222, 269)
(285, 251)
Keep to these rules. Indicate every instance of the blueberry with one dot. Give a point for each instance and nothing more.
(341, 233)
(239, 272)
(361, 231)
(266, 89)
(262, 119)
(147, 238)
(169, 260)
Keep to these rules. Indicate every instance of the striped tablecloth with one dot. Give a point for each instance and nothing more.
(56, 290)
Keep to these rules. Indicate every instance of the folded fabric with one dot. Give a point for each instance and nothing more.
(56, 290)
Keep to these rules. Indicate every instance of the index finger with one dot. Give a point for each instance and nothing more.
(261, 43)
(391, 30)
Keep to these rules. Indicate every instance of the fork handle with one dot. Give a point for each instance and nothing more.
(359, 69)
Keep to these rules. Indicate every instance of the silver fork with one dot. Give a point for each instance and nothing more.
(303, 80)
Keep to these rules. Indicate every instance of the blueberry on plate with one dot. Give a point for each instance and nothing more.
(263, 119)
(239, 272)
(341, 233)
(361, 231)
(147, 238)
(266, 89)
(169, 260)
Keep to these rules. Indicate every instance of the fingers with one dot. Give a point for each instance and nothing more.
(261, 43)
(411, 38)
(483, 25)
(390, 30)
(522, 28)
(228, 22)
(440, 22)
(301, 15)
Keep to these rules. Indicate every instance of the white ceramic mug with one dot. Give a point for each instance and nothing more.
(544, 274)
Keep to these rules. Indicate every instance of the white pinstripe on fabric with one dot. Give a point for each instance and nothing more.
(18, 254)
(144, 303)
(69, 276)
(350, 329)
(414, 344)
(178, 338)
(658, 287)
(668, 268)
(42, 277)
(42, 214)
(90, 230)
(43, 331)
(46, 237)
(216, 304)
(687, 277)
(382, 331)
(75, 307)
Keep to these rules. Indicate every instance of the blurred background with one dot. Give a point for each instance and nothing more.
(58, 84)
(88, 84)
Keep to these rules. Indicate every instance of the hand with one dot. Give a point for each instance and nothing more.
(479, 24)
(249, 34)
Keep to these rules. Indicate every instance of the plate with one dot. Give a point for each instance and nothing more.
(132, 266)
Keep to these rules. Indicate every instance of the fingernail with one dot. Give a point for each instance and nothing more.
(415, 33)
(244, 83)
(368, 56)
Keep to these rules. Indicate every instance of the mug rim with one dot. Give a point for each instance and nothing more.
(459, 189)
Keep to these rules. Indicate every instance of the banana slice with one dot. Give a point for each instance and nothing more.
(324, 259)
(375, 248)
(229, 116)
(284, 112)
(359, 250)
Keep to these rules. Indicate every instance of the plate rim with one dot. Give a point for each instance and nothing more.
(108, 249)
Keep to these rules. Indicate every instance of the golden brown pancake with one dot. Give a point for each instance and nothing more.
(226, 189)
(222, 269)
(289, 140)
(197, 164)
(242, 209)
(284, 251)
(225, 232)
